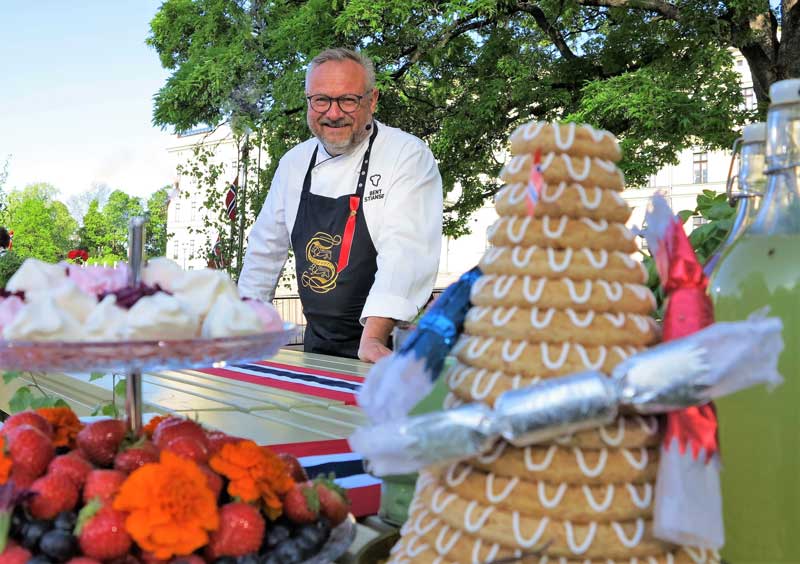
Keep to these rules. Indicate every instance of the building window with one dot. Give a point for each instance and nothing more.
(700, 167)
(177, 211)
(749, 98)
(697, 221)
(174, 250)
(193, 211)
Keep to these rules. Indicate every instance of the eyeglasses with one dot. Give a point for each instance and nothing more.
(348, 103)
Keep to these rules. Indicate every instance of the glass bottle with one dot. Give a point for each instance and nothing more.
(752, 183)
(760, 430)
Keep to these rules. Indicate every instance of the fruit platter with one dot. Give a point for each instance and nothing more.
(96, 492)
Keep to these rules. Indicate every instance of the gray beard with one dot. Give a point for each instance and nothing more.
(335, 149)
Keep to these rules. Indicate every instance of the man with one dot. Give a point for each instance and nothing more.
(360, 204)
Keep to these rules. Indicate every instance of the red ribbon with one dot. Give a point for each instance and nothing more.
(349, 231)
(688, 310)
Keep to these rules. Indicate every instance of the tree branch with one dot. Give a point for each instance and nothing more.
(458, 28)
(669, 11)
(552, 32)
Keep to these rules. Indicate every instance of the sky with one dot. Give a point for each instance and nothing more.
(76, 88)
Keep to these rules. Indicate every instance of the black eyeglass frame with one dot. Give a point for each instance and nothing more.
(338, 101)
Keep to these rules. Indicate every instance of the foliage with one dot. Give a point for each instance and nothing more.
(156, 232)
(9, 264)
(705, 239)
(78, 204)
(43, 227)
(105, 231)
(462, 75)
(31, 396)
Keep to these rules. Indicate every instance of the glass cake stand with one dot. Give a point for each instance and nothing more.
(133, 357)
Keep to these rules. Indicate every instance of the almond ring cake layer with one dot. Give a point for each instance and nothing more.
(579, 503)
(571, 465)
(426, 540)
(561, 325)
(559, 167)
(577, 264)
(615, 539)
(580, 295)
(575, 139)
(562, 232)
(530, 360)
(571, 200)
(479, 384)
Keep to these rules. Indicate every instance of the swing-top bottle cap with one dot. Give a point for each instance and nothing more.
(755, 133)
(785, 92)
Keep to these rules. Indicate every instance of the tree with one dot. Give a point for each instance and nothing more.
(78, 204)
(462, 75)
(94, 235)
(43, 228)
(118, 211)
(156, 233)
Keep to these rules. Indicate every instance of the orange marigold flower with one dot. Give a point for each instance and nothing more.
(150, 428)
(65, 423)
(5, 462)
(170, 507)
(255, 473)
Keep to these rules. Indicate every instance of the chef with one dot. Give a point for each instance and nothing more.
(360, 205)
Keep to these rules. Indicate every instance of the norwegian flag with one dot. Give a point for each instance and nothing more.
(230, 199)
(218, 260)
(334, 456)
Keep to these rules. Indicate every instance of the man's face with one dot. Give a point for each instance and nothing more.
(340, 131)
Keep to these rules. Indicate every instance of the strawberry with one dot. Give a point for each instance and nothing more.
(101, 532)
(332, 500)
(75, 468)
(301, 504)
(293, 466)
(27, 418)
(22, 479)
(14, 555)
(138, 454)
(99, 441)
(188, 447)
(174, 427)
(240, 532)
(102, 484)
(54, 493)
(30, 449)
(213, 479)
(217, 440)
(83, 560)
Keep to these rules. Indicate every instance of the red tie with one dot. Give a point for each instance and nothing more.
(349, 231)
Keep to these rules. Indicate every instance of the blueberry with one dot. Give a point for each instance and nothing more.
(225, 560)
(288, 552)
(66, 520)
(311, 536)
(324, 525)
(251, 558)
(40, 559)
(306, 545)
(32, 532)
(58, 545)
(276, 535)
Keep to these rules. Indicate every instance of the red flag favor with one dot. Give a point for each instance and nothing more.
(688, 506)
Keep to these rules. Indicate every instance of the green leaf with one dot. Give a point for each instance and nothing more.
(120, 388)
(95, 376)
(109, 409)
(21, 400)
(11, 375)
(60, 403)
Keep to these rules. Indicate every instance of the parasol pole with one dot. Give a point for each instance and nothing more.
(133, 381)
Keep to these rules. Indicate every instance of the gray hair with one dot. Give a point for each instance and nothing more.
(344, 54)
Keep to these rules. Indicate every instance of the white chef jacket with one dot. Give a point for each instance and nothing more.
(402, 206)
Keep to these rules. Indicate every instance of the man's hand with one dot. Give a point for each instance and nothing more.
(376, 333)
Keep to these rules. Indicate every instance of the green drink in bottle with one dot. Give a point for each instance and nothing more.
(760, 430)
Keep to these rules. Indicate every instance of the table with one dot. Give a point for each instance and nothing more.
(246, 409)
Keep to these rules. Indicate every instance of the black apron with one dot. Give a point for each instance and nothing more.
(336, 264)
